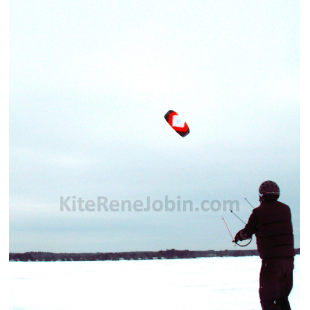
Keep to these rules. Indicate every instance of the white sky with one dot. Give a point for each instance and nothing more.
(90, 83)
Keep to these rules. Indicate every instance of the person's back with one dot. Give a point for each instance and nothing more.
(274, 231)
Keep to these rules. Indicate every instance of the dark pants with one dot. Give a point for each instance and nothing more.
(275, 283)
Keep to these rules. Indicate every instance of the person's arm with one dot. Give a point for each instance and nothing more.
(248, 230)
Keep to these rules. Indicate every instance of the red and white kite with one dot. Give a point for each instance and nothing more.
(175, 121)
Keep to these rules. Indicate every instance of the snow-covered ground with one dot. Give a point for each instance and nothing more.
(202, 283)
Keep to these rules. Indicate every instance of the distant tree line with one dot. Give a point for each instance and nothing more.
(143, 255)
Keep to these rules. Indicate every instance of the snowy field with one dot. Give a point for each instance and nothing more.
(202, 283)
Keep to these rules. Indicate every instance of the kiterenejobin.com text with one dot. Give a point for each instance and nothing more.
(103, 204)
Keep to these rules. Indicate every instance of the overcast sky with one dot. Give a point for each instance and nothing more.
(90, 83)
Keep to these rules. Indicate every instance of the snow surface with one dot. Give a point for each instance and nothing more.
(202, 283)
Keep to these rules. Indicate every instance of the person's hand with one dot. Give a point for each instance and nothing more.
(237, 237)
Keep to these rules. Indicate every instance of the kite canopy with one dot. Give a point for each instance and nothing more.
(175, 121)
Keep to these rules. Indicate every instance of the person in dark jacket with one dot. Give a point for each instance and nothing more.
(272, 225)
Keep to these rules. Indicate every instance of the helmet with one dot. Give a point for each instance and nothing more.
(269, 190)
